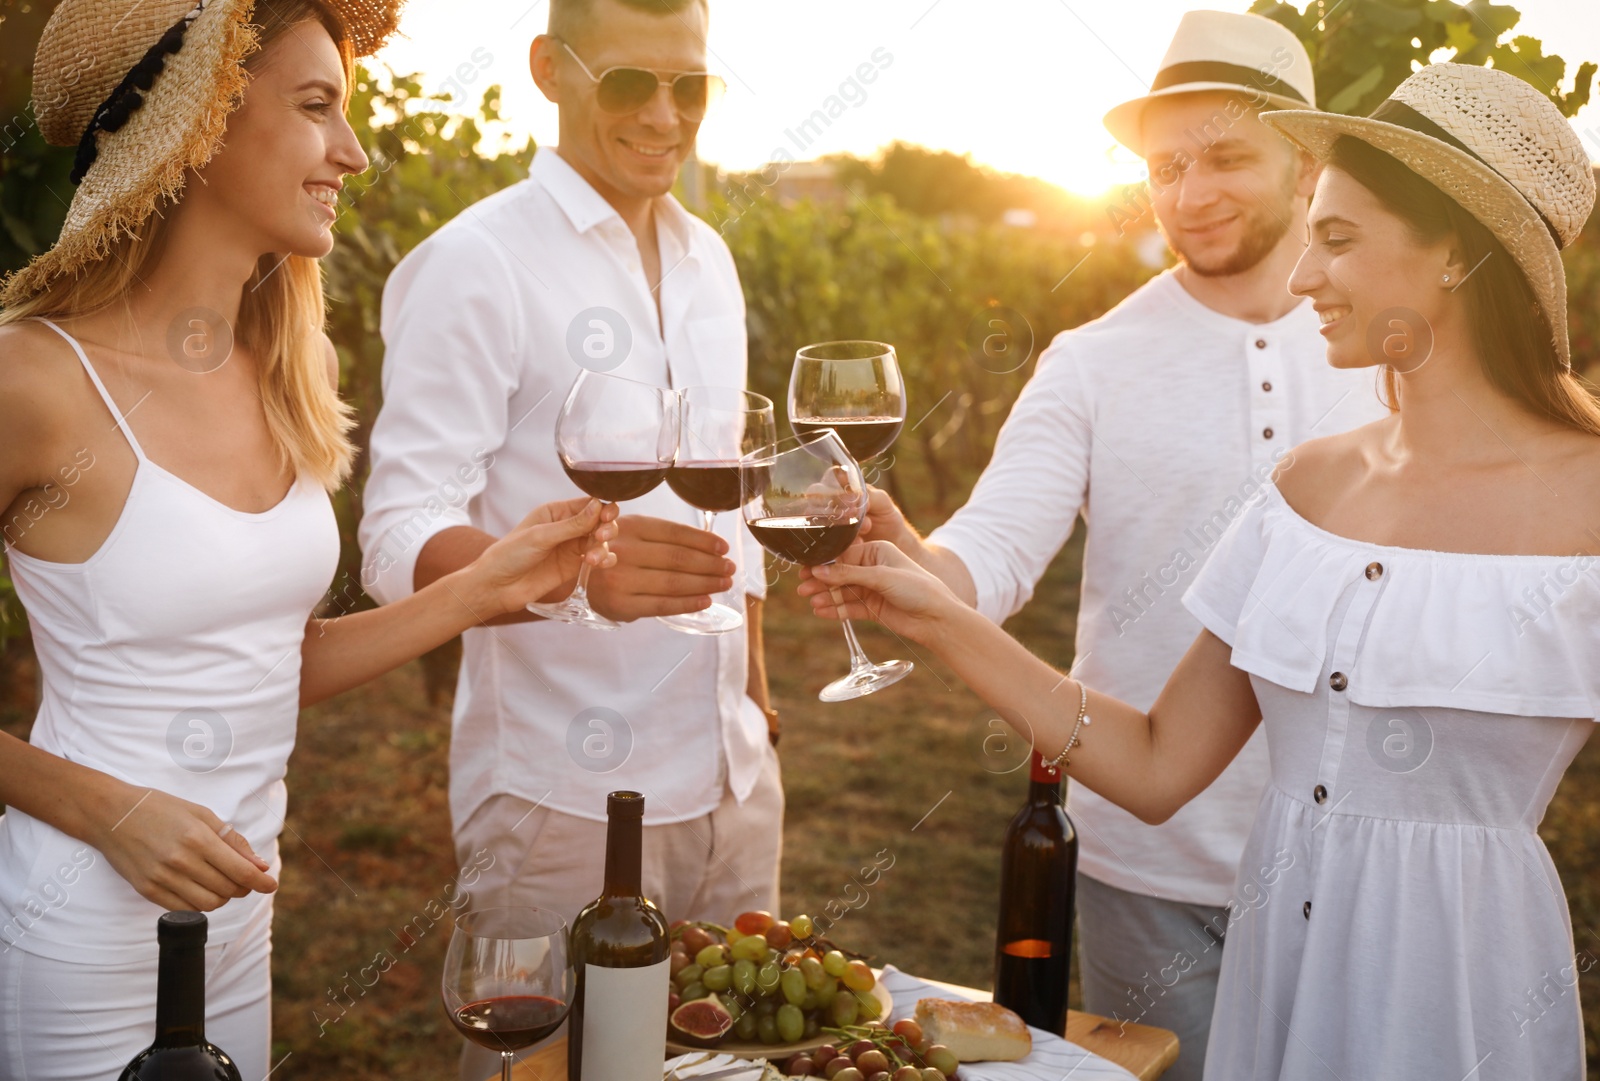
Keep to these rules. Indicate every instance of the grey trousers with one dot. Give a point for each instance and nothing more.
(1152, 962)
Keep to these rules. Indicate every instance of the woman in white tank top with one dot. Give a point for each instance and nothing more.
(169, 432)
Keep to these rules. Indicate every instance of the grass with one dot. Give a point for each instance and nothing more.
(367, 851)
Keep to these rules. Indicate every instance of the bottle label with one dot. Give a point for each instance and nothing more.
(620, 1005)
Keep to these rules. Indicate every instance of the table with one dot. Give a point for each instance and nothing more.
(1143, 1050)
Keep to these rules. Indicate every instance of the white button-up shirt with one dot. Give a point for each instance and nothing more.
(485, 325)
(1158, 421)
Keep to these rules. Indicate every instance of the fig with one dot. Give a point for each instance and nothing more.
(703, 1022)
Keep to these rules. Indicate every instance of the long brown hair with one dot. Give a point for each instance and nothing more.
(281, 309)
(1511, 330)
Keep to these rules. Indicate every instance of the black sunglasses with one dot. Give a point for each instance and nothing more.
(623, 90)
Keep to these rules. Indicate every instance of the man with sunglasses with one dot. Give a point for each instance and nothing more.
(589, 263)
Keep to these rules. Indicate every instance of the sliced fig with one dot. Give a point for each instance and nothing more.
(702, 1022)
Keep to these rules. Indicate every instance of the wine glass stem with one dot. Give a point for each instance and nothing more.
(858, 657)
(505, 1065)
(580, 592)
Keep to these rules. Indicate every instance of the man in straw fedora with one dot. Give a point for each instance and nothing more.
(1158, 422)
(168, 394)
(1398, 914)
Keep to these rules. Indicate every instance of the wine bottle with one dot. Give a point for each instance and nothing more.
(1033, 949)
(181, 1051)
(620, 948)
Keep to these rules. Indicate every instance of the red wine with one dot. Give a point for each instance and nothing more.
(863, 437)
(615, 481)
(181, 1051)
(1033, 949)
(511, 1022)
(713, 486)
(799, 539)
(620, 950)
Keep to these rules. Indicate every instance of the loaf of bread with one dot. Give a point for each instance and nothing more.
(974, 1031)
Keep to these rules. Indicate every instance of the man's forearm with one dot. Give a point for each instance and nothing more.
(446, 552)
(756, 670)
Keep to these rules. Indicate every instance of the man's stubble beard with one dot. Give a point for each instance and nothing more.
(1265, 225)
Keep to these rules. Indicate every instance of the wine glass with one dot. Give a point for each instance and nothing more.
(805, 503)
(508, 978)
(717, 427)
(853, 387)
(617, 439)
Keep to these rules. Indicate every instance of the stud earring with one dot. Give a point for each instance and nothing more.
(1447, 279)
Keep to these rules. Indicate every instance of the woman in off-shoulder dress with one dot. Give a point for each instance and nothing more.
(1412, 609)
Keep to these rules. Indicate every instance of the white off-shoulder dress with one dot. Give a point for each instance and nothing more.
(1396, 913)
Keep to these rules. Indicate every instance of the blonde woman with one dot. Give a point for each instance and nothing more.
(1412, 609)
(169, 432)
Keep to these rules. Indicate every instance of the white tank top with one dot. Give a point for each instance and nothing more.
(170, 660)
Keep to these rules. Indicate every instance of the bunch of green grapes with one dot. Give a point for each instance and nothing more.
(777, 980)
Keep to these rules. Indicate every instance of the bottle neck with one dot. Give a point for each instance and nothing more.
(181, 996)
(624, 840)
(1044, 781)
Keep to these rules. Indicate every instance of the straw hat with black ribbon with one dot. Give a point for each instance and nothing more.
(1495, 145)
(143, 89)
(1223, 50)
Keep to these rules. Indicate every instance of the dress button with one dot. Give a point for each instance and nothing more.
(1374, 571)
(1305, 910)
(1320, 794)
(1266, 386)
(1261, 343)
(1266, 433)
(1338, 682)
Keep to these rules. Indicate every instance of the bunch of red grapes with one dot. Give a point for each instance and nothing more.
(902, 1053)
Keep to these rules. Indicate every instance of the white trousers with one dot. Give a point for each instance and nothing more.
(64, 1021)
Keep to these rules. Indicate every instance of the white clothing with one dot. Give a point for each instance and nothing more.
(1399, 914)
(67, 1021)
(1157, 421)
(485, 323)
(171, 661)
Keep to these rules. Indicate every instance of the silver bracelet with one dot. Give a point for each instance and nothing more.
(1060, 761)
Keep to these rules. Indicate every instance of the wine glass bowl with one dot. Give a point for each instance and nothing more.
(616, 439)
(717, 428)
(508, 978)
(853, 387)
(805, 503)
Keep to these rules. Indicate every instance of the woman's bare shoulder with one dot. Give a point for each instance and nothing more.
(1317, 470)
(37, 380)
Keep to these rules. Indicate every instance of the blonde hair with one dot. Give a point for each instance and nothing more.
(281, 310)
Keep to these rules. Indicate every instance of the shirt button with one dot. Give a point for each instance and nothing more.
(1305, 910)
(1338, 682)
(1266, 433)
(1261, 343)
(1374, 571)
(1320, 794)
(1266, 386)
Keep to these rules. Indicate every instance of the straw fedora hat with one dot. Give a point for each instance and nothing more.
(1223, 50)
(144, 89)
(1495, 145)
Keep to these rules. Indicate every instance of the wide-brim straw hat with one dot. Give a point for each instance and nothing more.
(1494, 144)
(1223, 50)
(144, 89)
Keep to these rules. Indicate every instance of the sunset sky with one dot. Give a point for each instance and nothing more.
(1020, 84)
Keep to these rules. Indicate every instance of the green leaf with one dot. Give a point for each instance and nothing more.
(1348, 98)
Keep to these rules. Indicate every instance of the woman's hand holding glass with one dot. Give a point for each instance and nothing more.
(875, 580)
(542, 556)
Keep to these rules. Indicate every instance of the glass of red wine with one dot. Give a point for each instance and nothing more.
(508, 978)
(717, 427)
(805, 503)
(854, 388)
(617, 438)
